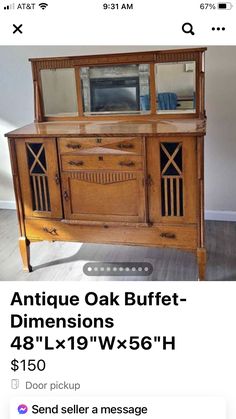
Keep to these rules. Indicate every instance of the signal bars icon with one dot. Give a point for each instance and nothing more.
(43, 5)
(9, 6)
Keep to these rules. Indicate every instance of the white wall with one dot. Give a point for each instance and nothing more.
(16, 109)
(220, 151)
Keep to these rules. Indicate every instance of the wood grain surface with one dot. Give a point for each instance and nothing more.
(71, 129)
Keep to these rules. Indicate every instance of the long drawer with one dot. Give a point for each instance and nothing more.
(184, 237)
(71, 162)
(116, 145)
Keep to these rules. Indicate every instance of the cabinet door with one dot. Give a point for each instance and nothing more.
(99, 196)
(39, 177)
(173, 172)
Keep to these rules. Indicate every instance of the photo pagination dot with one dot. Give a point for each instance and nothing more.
(117, 269)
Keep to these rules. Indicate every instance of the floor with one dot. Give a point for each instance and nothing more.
(64, 261)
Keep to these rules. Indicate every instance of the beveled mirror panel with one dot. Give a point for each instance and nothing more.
(176, 87)
(121, 89)
(59, 92)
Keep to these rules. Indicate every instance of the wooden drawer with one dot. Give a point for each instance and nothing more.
(88, 145)
(71, 162)
(184, 237)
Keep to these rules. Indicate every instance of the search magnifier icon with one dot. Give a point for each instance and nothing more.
(188, 28)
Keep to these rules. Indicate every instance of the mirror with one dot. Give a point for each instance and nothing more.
(59, 92)
(116, 89)
(176, 87)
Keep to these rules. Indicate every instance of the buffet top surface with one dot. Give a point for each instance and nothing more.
(165, 127)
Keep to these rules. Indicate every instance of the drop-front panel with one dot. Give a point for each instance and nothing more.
(127, 183)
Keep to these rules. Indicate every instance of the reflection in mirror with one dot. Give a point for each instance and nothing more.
(176, 87)
(59, 92)
(116, 89)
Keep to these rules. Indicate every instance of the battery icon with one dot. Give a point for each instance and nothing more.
(225, 6)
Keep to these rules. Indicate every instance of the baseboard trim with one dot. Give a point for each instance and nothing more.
(220, 215)
(8, 205)
(209, 215)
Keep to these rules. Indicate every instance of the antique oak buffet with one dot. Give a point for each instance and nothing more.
(115, 154)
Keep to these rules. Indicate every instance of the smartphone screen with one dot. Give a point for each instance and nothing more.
(117, 209)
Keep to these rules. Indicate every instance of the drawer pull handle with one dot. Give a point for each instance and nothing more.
(73, 146)
(98, 140)
(168, 235)
(51, 231)
(125, 146)
(76, 163)
(127, 163)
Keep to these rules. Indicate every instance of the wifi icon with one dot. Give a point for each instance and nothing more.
(43, 5)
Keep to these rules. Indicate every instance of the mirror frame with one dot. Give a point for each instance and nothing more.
(149, 57)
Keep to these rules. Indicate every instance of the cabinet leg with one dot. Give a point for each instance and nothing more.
(24, 245)
(201, 258)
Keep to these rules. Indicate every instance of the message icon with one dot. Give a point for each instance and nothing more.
(22, 409)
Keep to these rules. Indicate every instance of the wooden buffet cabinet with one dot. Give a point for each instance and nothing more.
(115, 154)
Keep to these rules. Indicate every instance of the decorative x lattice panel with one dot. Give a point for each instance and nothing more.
(38, 176)
(172, 195)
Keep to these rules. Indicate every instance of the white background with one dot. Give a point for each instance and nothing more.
(203, 363)
(151, 22)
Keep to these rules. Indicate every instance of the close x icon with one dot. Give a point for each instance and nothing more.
(17, 28)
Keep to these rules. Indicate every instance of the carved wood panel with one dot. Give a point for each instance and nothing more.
(39, 177)
(104, 178)
(172, 191)
(172, 166)
(37, 165)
